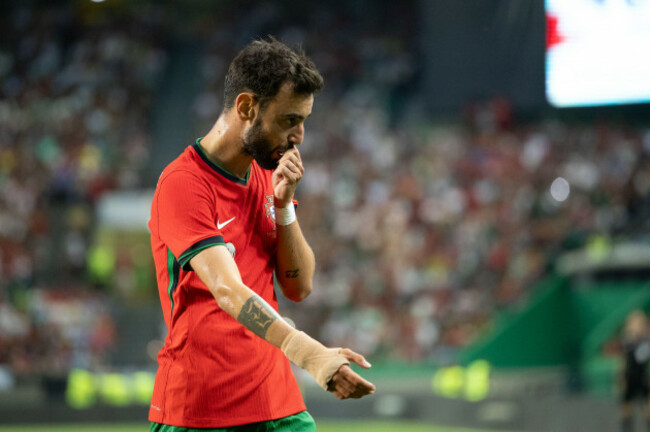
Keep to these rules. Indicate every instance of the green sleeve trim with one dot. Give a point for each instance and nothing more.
(173, 269)
(191, 252)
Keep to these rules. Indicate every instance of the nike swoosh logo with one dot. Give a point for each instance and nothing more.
(221, 225)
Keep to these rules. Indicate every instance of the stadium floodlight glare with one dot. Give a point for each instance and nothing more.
(596, 52)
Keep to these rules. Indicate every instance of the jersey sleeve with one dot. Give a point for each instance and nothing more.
(187, 212)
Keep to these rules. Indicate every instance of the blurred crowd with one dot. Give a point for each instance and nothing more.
(421, 235)
(356, 47)
(421, 230)
(76, 93)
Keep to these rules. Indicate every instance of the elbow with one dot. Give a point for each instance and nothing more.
(221, 293)
(299, 294)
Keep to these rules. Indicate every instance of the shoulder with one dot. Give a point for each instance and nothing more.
(182, 187)
(179, 175)
(183, 169)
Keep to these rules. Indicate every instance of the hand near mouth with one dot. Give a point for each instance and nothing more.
(286, 177)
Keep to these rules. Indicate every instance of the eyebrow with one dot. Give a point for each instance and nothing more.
(295, 115)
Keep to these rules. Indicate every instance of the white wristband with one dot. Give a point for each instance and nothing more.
(286, 215)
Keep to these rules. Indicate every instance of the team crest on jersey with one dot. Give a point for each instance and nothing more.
(269, 208)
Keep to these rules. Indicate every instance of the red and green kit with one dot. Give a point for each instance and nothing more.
(212, 371)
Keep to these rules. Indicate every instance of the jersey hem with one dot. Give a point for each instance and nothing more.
(232, 422)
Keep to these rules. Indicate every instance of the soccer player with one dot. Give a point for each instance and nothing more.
(222, 224)
(636, 357)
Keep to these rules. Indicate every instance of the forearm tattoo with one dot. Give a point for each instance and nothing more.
(257, 316)
(292, 273)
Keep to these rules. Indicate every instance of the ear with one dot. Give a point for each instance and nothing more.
(246, 106)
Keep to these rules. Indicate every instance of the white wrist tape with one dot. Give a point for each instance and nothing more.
(321, 362)
(286, 215)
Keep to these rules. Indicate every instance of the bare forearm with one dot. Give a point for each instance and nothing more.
(260, 318)
(253, 312)
(295, 263)
(238, 300)
(218, 271)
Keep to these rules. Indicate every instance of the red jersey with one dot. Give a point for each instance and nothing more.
(212, 371)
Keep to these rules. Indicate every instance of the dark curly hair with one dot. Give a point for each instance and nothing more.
(263, 66)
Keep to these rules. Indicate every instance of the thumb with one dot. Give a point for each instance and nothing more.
(355, 357)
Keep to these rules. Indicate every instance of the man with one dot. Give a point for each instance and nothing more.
(634, 377)
(222, 223)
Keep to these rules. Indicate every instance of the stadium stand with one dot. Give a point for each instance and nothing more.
(426, 230)
(74, 100)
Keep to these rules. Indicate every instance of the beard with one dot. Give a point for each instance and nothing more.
(258, 146)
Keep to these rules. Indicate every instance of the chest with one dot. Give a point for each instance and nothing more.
(245, 217)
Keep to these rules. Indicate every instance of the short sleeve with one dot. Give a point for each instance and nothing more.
(187, 212)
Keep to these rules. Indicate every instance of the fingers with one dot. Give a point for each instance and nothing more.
(340, 388)
(293, 151)
(289, 167)
(286, 176)
(355, 379)
(295, 172)
(291, 159)
(347, 384)
(355, 357)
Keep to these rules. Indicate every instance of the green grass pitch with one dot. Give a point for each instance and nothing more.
(323, 426)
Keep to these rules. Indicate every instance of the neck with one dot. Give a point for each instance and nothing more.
(222, 145)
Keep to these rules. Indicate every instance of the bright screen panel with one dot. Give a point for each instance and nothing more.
(597, 52)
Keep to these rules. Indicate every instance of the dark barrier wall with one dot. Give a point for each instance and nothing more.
(479, 49)
(538, 336)
(564, 324)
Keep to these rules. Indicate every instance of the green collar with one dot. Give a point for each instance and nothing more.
(217, 168)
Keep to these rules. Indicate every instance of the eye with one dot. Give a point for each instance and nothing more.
(292, 121)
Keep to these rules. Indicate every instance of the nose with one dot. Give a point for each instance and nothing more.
(296, 135)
